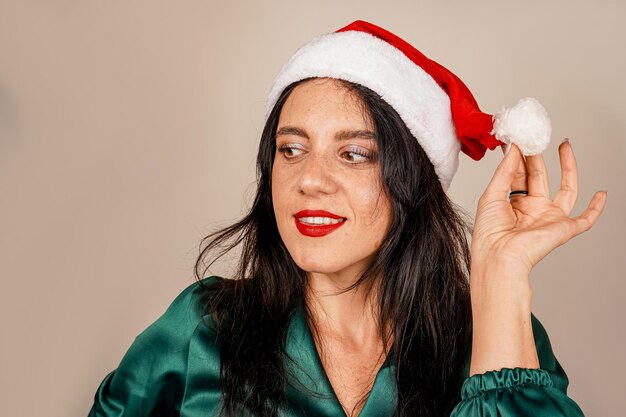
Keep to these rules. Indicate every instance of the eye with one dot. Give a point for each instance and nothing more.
(290, 151)
(358, 155)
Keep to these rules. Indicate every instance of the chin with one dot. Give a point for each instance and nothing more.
(317, 263)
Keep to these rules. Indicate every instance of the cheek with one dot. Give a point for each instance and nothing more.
(374, 217)
(374, 204)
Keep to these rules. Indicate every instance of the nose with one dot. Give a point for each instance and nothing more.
(316, 177)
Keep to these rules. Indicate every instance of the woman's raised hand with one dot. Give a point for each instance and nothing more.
(510, 237)
(516, 233)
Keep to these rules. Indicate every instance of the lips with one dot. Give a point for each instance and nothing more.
(317, 223)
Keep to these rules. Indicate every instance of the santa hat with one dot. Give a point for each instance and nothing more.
(435, 104)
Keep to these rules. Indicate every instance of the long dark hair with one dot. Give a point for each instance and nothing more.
(422, 265)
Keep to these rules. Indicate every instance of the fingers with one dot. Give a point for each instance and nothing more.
(591, 213)
(568, 192)
(504, 175)
(537, 176)
(519, 179)
(532, 175)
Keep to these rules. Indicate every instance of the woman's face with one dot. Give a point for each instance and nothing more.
(331, 210)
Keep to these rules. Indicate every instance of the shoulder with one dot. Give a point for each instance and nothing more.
(190, 300)
(150, 379)
(182, 317)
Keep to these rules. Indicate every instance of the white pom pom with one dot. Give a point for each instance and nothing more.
(526, 124)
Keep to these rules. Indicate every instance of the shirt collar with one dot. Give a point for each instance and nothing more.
(310, 389)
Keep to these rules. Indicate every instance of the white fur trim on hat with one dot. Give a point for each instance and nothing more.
(364, 59)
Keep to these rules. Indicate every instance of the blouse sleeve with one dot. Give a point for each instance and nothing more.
(152, 376)
(520, 392)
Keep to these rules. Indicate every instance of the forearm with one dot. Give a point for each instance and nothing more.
(502, 327)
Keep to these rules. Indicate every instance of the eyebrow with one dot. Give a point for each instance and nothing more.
(341, 135)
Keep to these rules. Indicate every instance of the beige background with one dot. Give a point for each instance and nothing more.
(128, 130)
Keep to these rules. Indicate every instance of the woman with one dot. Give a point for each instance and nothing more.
(352, 295)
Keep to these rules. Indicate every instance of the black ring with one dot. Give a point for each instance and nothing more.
(518, 192)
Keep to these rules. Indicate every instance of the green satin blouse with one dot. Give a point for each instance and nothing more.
(172, 369)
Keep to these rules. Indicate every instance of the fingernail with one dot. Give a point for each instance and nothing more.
(507, 148)
(565, 140)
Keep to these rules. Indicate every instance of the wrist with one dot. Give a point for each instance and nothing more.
(507, 265)
(506, 282)
(502, 337)
(503, 291)
(501, 319)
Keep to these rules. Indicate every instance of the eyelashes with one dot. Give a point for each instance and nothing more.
(288, 151)
(352, 155)
(359, 155)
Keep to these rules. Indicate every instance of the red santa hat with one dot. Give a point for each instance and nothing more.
(435, 104)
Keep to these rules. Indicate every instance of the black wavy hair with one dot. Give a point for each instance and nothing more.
(423, 268)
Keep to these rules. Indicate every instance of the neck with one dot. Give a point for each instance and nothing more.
(350, 317)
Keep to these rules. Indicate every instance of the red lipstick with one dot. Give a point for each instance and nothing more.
(317, 230)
